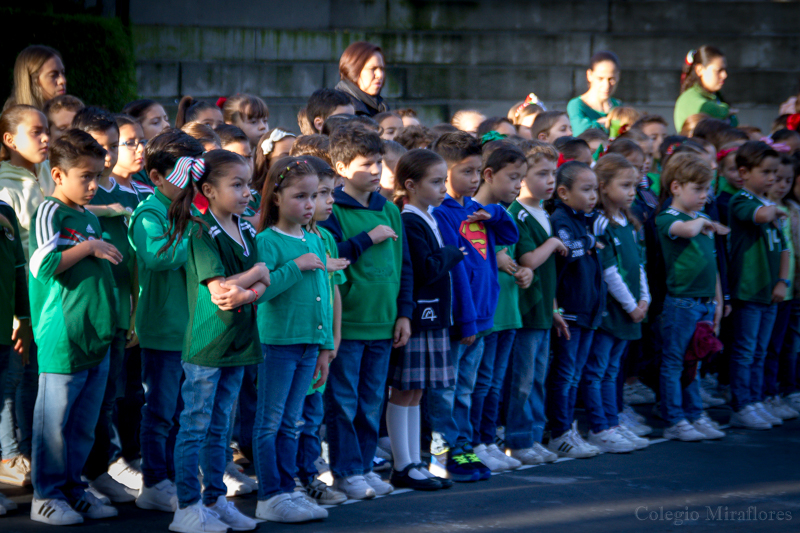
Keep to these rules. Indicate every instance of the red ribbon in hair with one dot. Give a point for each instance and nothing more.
(793, 121)
(722, 154)
(201, 203)
(562, 160)
(221, 101)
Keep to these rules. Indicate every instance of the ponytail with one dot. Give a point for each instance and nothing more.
(702, 56)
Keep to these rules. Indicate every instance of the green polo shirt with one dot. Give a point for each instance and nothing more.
(691, 264)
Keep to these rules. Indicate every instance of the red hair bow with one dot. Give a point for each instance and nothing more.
(793, 121)
(201, 203)
(722, 154)
(221, 101)
(562, 160)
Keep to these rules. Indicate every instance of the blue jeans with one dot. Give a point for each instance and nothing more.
(308, 446)
(10, 376)
(283, 381)
(19, 397)
(529, 357)
(678, 323)
(449, 408)
(569, 358)
(789, 368)
(752, 325)
(353, 403)
(162, 376)
(600, 380)
(208, 397)
(779, 345)
(64, 418)
(489, 386)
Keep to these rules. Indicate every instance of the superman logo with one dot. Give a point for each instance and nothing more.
(475, 233)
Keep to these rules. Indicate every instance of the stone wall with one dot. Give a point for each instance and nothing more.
(448, 54)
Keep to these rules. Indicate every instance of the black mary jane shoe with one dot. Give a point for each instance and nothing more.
(402, 479)
(446, 483)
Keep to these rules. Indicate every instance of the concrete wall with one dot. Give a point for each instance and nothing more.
(445, 55)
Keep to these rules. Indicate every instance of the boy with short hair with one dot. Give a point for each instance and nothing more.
(758, 274)
(465, 223)
(326, 102)
(376, 308)
(59, 112)
(73, 312)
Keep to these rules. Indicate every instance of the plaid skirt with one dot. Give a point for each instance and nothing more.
(423, 363)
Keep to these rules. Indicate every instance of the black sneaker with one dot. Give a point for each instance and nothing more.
(458, 466)
(483, 471)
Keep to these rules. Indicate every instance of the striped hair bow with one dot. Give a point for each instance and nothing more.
(185, 168)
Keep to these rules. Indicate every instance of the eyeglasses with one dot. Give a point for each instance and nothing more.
(133, 144)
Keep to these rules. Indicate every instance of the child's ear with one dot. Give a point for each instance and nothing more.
(340, 168)
(542, 136)
(57, 175)
(743, 172)
(156, 177)
(207, 190)
(561, 191)
(318, 123)
(674, 187)
(488, 175)
(8, 139)
(409, 185)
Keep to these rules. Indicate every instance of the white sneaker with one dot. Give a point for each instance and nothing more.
(683, 431)
(630, 411)
(235, 484)
(748, 418)
(609, 441)
(380, 487)
(236, 471)
(631, 396)
(197, 518)
(492, 463)
(709, 400)
(8, 505)
(527, 456)
(90, 506)
(546, 455)
(576, 436)
(302, 500)
(793, 401)
(163, 496)
(639, 429)
(567, 446)
(355, 487)
(762, 411)
(54, 512)
(321, 493)
(113, 489)
(638, 442)
(128, 474)
(703, 425)
(644, 392)
(230, 515)
(779, 408)
(511, 463)
(283, 508)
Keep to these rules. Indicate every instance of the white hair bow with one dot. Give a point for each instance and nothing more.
(269, 144)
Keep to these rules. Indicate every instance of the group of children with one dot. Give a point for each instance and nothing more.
(462, 287)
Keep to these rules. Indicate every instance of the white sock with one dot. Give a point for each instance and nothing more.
(397, 426)
(413, 433)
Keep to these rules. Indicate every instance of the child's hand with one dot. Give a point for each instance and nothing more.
(117, 210)
(721, 229)
(463, 250)
(21, 337)
(560, 247)
(637, 315)
(133, 339)
(333, 264)
(562, 329)
(478, 216)
(727, 310)
(264, 271)
(599, 245)
(234, 297)
(467, 341)
(644, 306)
(381, 233)
(779, 292)
(717, 319)
(104, 250)
(321, 370)
(309, 261)
(524, 277)
(5, 223)
(402, 332)
(505, 263)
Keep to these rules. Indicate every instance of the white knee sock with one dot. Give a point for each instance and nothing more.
(397, 426)
(413, 433)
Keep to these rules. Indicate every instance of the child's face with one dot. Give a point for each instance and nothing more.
(363, 174)
(390, 126)
(211, 117)
(109, 140)
(713, 75)
(562, 128)
(324, 203)
(387, 174)
(620, 192)
(30, 139)
(60, 122)
(593, 144)
(540, 180)
(231, 193)
(130, 158)
(154, 121)
(759, 179)
(506, 182)
(253, 127)
(430, 190)
(78, 185)
(637, 160)
(281, 149)
(464, 177)
(583, 194)
(689, 196)
(657, 133)
(730, 172)
(243, 149)
(297, 202)
(784, 180)
(52, 79)
(710, 156)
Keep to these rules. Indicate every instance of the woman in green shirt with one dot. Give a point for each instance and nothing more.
(590, 109)
(704, 74)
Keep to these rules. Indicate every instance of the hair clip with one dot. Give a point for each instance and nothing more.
(778, 147)
(722, 154)
(562, 160)
(221, 101)
(672, 147)
(793, 122)
(529, 100)
(492, 136)
(690, 56)
(288, 168)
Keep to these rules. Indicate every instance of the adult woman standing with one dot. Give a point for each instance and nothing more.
(363, 73)
(38, 77)
(590, 109)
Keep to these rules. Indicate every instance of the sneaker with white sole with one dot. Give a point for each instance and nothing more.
(15, 471)
(762, 411)
(90, 506)
(54, 512)
(748, 418)
(238, 472)
(380, 487)
(5, 503)
(113, 489)
(639, 429)
(777, 407)
(703, 425)
(129, 474)
(302, 500)
(546, 455)
(709, 400)
(644, 392)
(323, 494)
(197, 518)
(630, 411)
(283, 508)
(609, 441)
(576, 436)
(355, 488)
(235, 484)
(567, 446)
(497, 453)
(163, 496)
(527, 456)
(492, 463)
(631, 396)
(683, 431)
(638, 442)
(231, 516)
(793, 401)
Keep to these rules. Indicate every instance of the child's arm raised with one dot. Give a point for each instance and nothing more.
(505, 230)
(688, 229)
(353, 247)
(97, 248)
(536, 258)
(110, 210)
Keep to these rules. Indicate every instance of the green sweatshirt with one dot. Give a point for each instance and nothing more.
(697, 100)
(163, 312)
